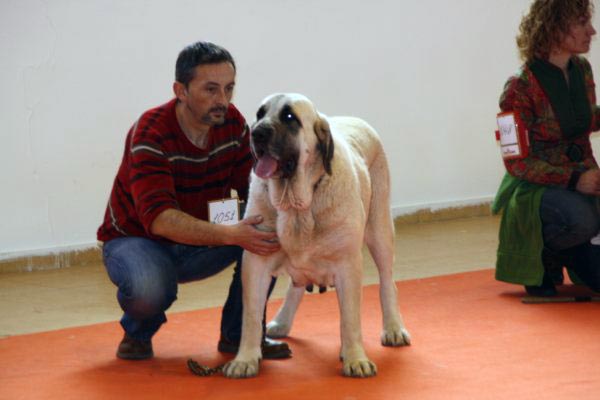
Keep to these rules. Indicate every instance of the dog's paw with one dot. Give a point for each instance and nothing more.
(276, 330)
(362, 368)
(395, 337)
(241, 369)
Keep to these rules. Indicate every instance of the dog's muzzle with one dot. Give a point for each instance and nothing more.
(273, 157)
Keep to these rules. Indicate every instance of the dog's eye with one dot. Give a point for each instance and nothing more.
(287, 116)
(260, 113)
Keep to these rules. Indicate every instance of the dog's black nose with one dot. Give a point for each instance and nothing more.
(261, 134)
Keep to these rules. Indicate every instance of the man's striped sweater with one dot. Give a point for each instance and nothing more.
(162, 169)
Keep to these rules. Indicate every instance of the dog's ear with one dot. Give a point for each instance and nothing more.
(325, 141)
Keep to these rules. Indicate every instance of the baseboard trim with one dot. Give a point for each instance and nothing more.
(88, 255)
(434, 214)
(61, 259)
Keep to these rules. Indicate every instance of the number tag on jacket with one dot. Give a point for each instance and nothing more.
(224, 212)
(512, 135)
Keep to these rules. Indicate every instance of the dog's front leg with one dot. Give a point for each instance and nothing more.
(255, 283)
(349, 292)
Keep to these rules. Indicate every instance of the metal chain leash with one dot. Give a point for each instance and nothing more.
(203, 370)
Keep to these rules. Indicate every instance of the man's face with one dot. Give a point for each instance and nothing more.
(579, 38)
(208, 95)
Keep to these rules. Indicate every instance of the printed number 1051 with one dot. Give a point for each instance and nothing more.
(224, 217)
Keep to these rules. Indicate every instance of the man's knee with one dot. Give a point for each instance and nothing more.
(147, 298)
(144, 274)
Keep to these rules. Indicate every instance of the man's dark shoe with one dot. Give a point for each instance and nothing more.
(133, 349)
(271, 349)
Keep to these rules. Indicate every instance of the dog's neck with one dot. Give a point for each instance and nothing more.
(297, 192)
(297, 225)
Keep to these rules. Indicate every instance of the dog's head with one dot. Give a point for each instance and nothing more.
(290, 134)
(287, 131)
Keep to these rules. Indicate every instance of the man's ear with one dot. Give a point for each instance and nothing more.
(180, 90)
(325, 141)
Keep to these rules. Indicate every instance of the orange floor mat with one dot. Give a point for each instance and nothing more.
(472, 339)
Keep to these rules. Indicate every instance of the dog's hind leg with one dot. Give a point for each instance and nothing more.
(281, 325)
(349, 293)
(379, 237)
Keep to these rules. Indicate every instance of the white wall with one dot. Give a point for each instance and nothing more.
(76, 74)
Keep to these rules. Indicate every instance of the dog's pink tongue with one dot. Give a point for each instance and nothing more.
(266, 167)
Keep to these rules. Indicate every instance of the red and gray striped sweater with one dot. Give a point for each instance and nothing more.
(162, 169)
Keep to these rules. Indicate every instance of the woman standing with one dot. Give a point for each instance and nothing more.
(550, 196)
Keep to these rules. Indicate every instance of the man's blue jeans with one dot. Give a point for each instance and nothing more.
(569, 220)
(147, 273)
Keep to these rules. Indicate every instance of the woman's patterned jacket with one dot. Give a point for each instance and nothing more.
(555, 157)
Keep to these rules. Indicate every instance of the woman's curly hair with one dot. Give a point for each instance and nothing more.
(546, 24)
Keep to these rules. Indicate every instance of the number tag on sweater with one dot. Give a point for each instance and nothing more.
(512, 135)
(224, 212)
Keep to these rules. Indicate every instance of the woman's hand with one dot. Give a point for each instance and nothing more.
(589, 182)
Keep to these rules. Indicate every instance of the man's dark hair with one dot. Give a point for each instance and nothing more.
(199, 53)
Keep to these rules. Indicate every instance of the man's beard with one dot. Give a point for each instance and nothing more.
(210, 119)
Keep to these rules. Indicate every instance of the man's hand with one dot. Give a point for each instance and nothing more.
(589, 182)
(183, 228)
(248, 236)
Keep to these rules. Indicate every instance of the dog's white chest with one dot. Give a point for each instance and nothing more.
(310, 259)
